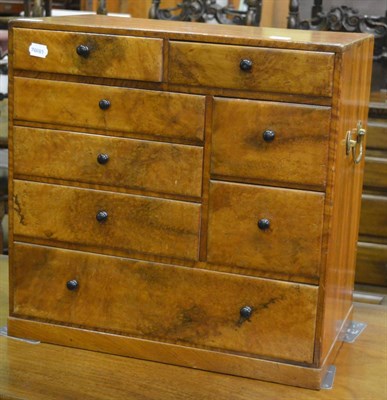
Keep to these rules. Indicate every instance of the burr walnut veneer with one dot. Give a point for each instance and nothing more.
(182, 192)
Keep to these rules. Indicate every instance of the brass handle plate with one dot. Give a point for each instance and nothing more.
(356, 146)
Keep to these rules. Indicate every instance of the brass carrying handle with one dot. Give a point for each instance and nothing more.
(354, 144)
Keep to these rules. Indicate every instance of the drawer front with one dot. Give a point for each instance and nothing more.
(170, 115)
(272, 70)
(133, 224)
(375, 174)
(239, 236)
(371, 264)
(269, 142)
(373, 217)
(166, 303)
(108, 56)
(134, 164)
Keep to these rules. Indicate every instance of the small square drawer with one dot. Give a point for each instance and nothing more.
(270, 143)
(146, 112)
(197, 308)
(257, 229)
(251, 68)
(85, 217)
(109, 161)
(105, 56)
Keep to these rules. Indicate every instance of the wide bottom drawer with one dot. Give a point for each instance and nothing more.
(166, 303)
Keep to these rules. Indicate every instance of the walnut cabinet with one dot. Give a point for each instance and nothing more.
(186, 193)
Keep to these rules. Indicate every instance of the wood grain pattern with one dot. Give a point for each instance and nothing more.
(212, 33)
(361, 370)
(92, 374)
(196, 358)
(235, 239)
(167, 303)
(312, 234)
(76, 105)
(375, 174)
(10, 162)
(297, 155)
(110, 56)
(371, 264)
(206, 178)
(134, 164)
(373, 220)
(211, 65)
(135, 223)
(345, 179)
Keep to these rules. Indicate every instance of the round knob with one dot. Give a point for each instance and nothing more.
(72, 285)
(268, 135)
(102, 158)
(246, 312)
(263, 224)
(102, 216)
(246, 65)
(104, 104)
(83, 51)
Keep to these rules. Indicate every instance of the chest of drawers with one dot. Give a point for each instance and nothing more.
(183, 193)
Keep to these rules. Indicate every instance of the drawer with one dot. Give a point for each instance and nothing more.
(152, 113)
(375, 174)
(108, 56)
(133, 224)
(272, 70)
(268, 142)
(239, 235)
(371, 264)
(377, 134)
(373, 217)
(134, 164)
(166, 303)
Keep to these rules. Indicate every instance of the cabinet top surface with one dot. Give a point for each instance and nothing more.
(213, 33)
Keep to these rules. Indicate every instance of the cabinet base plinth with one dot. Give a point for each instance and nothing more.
(207, 360)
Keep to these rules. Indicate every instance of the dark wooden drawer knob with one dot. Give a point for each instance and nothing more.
(72, 285)
(246, 65)
(263, 224)
(102, 216)
(83, 51)
(268, 135)
(246, 312)
(102, 158)
(104, 104)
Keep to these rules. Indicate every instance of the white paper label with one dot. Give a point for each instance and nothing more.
(38, 50)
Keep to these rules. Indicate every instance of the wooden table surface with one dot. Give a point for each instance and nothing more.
(43, 371)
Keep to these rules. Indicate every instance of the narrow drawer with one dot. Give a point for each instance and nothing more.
(268, 142)
(166, 303)
(134, 164)
(108, 56)
(371, 264)
(130, 223)
(152, 113)
(272, 70)
(373, 217)
(266, 229)
(375, 174)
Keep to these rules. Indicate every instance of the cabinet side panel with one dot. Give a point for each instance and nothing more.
(345, 178)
